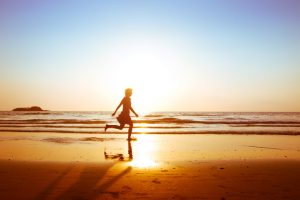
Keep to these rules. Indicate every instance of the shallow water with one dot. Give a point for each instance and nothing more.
(159, 122)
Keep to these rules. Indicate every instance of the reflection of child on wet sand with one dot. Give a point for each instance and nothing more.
(120, 156)
(124, 117)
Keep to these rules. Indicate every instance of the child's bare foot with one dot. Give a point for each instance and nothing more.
(131, 139)
(106, 127)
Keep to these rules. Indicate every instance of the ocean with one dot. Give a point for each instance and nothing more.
(276, 123)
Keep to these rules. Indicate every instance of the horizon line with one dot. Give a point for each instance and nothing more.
(157, 111)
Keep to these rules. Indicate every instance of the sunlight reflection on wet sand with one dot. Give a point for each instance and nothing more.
(148, 150)
(144, 150)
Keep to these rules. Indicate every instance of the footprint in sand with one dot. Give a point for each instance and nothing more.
(156, 181)
(126, 189)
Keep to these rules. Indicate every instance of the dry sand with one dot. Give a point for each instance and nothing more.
(272, 179)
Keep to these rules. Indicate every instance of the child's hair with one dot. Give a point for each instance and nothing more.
(128, 91)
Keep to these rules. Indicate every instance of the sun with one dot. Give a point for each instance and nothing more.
(149, 67)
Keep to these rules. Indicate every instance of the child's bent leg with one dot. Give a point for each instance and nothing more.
(120, 127)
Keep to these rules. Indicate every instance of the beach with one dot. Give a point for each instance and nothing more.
(158, 100)
(154, 166)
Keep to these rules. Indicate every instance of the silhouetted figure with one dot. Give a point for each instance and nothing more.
(124, 117)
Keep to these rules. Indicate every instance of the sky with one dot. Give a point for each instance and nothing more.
(214, 55)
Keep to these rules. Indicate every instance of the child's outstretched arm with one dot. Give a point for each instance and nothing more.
(134, 112)
(118, 107)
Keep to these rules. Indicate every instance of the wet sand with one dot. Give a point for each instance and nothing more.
(62, 166)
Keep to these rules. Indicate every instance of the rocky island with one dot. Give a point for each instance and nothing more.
(32, 108)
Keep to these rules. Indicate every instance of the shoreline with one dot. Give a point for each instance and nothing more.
(231, 132)
(158, 147)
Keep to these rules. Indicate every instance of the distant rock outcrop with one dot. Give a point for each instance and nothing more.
(32, 108)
